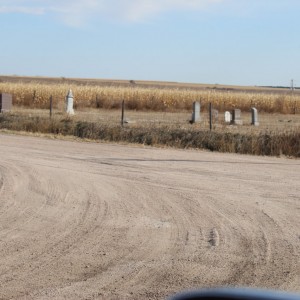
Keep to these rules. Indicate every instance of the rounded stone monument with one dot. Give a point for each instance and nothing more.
(70, 103)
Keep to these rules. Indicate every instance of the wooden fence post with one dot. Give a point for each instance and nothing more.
(51, 106)
(210, 116)
(123, 109)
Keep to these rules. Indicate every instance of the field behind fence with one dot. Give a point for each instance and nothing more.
(159, 116)
(36, 95)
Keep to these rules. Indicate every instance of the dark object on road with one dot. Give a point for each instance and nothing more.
(235, 294)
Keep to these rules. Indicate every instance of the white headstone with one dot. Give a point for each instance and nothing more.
(227, 117)
(254, 116)
(69, 103)
(196, 112)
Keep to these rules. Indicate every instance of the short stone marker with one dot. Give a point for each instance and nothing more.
(227, 117)
(69, 103)
(254, 117)
(236, 117)
(196, 113)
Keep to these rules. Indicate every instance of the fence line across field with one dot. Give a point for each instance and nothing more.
(199, 116)
(267, 122)
(210, 119)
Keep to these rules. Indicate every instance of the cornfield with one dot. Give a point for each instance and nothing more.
(36, 95)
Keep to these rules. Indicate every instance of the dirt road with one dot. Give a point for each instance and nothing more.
(101, 221)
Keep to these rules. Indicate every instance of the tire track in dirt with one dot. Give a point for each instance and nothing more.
(12, 211)
(84, 224)
(262, 242)
(278, 265)
(59, 244)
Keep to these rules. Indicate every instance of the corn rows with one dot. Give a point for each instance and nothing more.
(36, 95)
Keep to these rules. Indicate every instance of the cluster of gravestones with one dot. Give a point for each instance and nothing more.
(6, 102)
(234, 117)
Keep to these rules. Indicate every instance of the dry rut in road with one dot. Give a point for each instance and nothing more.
(93, 221)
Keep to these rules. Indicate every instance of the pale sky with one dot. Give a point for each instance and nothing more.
(241, 42)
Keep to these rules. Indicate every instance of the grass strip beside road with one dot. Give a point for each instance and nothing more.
(266, 143)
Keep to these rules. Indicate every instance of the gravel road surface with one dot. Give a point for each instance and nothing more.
(104, 221)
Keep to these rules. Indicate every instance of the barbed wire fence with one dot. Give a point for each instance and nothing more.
(177, 119)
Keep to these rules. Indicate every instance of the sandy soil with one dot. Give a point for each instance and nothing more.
(101, 221)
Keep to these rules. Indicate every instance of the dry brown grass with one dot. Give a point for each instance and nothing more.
(171, 130)
(180, 119)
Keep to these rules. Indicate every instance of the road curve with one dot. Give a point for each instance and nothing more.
(100, 221)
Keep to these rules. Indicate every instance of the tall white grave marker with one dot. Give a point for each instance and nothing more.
(69, 103)
(196, 112)
(254, 115)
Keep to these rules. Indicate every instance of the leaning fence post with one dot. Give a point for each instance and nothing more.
(210, 116)
(51, 106)
(122, 116)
